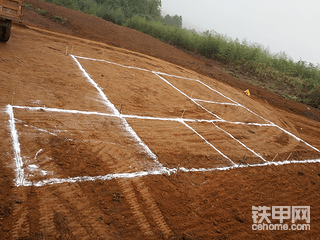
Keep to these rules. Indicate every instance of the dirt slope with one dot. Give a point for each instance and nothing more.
(93, 28)
(76, 149)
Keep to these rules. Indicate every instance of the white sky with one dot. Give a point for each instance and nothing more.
(291, 26)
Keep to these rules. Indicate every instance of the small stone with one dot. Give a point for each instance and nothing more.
(300, 173)
(19, 201)
(218, 230)
(313, 182)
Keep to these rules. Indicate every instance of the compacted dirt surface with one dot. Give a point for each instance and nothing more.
(107, 133)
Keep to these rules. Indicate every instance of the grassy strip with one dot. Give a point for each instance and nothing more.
(278, 73)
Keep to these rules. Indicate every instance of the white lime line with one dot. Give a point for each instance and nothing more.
(93, 178)
(116, 112)
(16, 147)
(113, 63)
(195, 100)
(208, 142)
(217, 92)
(136, 116)
(66, 111)
(166, 81)
(20, 177)
(258, 155)
(162, 171)
(222, 103)
(183, 169)
(299, 139)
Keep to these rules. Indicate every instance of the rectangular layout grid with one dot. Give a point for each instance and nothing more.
(216, 121)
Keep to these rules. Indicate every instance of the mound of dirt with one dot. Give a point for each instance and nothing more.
(108, 133)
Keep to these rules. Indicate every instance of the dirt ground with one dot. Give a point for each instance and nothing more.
(107, 133)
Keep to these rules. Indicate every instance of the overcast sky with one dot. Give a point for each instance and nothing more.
(292, 26)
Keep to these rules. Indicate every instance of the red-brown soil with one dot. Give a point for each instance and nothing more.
(36, 72)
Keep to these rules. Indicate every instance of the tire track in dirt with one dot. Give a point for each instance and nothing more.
(49, 206)
(125, 184)
(20, 228)
(129, 194)
(120, 163)
(152, 206)
(63, 212)
(78, 203)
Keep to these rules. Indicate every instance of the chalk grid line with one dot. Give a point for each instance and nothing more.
(22, 181)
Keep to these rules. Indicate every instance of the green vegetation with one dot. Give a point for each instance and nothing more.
(299, 81)
(45, 13)
(59, 19)
(116, 11)
(28, 6)
(42, 12)
(172, 20)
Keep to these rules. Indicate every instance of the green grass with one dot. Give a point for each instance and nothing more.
(42, 12)
(59, 19)
(45, 13)
(28, 6)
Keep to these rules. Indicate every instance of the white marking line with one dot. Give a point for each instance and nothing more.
(116, 112)
(137, 174)
(102, 95)
(150, 118)
(158, 172)
(35, 157)
(113, 63)
(66, 111)
(169, 75)
(287, 132)
(133, 116)
(258, 155)
(243, 166)
(88, 178)
(208, 142)
(16, 148)
(188, 96)
(40, 130)
(20, 181)
(222, 103)
(299, 139)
